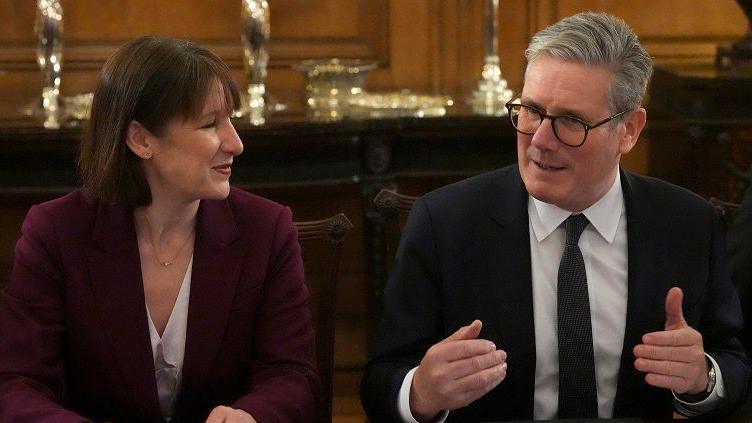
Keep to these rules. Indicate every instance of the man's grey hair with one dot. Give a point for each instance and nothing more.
(604, 40)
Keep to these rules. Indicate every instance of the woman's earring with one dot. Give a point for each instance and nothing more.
(146, 155)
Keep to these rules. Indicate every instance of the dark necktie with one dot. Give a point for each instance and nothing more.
(577, 391)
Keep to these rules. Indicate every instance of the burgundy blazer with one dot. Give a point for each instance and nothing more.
(74, 337)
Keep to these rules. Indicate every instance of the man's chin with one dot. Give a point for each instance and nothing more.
(545, 197)
(539, 188)
(546, 193)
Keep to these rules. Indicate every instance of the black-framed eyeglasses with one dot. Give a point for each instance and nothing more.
(569, 130)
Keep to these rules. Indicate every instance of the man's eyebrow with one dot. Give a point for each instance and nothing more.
(560, 112)
(529, 102)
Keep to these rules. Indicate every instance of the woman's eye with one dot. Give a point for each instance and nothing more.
(210, 125)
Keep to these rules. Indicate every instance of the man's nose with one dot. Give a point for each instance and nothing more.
(544, 137)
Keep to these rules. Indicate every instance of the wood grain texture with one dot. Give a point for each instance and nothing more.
(424, 45)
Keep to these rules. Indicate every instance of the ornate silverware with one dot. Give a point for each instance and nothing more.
(49, 28)
(332, 84)
(492, 93)
(255, 39)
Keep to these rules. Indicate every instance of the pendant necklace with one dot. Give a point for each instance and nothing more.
(164, 263)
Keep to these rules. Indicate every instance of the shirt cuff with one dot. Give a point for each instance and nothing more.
(403, 401)
(712, 401)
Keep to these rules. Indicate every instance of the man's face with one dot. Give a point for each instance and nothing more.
(572, 178)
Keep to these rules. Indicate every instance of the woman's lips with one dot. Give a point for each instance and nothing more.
(224, 169)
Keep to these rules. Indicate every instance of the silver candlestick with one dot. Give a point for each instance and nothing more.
(492, 93)
(49, 28)
(255, 38)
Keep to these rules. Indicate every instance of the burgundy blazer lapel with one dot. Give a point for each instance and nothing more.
(216, 270)
(115, 271)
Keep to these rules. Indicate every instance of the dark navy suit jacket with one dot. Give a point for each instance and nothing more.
(465, 254)
(74, 340)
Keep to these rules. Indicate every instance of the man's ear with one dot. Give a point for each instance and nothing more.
(137, 139)
(633, 125)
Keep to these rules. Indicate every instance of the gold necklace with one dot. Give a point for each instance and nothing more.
(154, 246)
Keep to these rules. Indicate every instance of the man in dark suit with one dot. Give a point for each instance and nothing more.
(562, 286)
(739, 244)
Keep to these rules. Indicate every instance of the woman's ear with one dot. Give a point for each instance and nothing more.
(137, 139)
(633, 125)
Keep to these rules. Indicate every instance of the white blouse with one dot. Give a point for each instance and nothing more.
(169, 350)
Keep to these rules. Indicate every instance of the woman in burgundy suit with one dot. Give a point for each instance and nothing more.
(158, 291)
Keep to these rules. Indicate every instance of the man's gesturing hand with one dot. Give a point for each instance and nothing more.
(455, 372)
(222, 414)
(674, 358)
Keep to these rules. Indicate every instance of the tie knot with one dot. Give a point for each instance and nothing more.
(574, 226)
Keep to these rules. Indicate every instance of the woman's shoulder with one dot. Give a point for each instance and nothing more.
(252, 216)
(239, 198)
(80, 197)
(254, 210)
(70, 218)
(69, 207)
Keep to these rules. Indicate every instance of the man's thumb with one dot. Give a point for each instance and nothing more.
(674, 313)
(470, 331)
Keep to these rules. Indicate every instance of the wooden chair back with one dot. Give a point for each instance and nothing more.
(393, 208)
(321, 244)
(725, 210)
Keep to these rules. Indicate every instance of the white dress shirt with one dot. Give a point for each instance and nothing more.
(604, 249)
(169, 349)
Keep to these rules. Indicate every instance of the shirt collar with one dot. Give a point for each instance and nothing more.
(604, 215)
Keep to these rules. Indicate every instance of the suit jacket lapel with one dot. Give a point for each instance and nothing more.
(508, 310)
(645, 309)
(115, 272)
(216, 270)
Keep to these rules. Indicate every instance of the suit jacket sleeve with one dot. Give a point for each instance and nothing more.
(412, 317)
(720, 326)
(32, 328)
(739, 243)
(284, 384)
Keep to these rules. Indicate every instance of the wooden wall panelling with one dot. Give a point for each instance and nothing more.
(93, 30)
(685, 30)
(424, 45)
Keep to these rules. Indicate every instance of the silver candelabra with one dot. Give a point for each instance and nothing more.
(255, 38)
(492, 93)
(49, 29)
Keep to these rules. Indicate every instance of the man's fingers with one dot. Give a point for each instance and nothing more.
(217, 415)
(470, 331)
(664, 367)
(674, 312)
(679, 338)
(458, 350)
(666, 374)
(467, 397)
(458, 357)
(676, 383)
(484, 380)
(467, 366)
(661, 381)
(687, 354)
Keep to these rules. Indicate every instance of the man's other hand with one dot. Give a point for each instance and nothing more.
(222, 414)
(455, 372)
(674, 358)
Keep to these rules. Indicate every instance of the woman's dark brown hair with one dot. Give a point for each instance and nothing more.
(151, 80)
